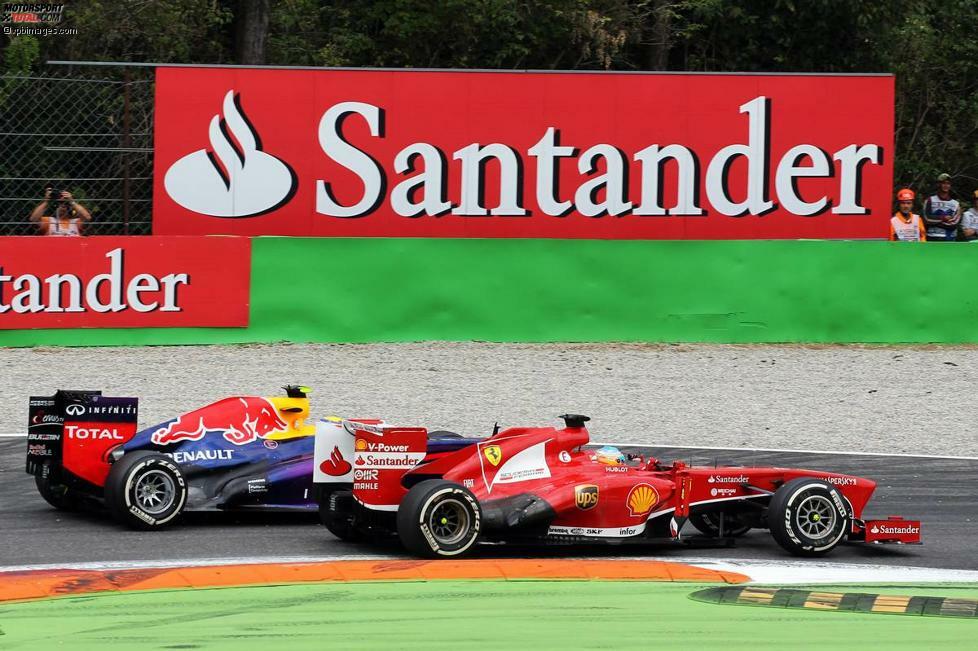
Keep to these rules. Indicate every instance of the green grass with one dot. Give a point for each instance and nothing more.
(510, 615)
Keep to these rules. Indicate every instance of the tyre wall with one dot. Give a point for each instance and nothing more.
(539, 290)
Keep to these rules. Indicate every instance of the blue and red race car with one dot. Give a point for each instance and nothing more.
(239, 453)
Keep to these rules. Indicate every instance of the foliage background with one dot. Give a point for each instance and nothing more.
(931, 46)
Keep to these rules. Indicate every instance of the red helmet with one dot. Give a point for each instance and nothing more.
(905, 194)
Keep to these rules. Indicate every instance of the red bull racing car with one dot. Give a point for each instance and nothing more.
(243, 452)
(442, 495)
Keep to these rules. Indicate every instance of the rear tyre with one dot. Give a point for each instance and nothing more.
(439, 519)
(808, 517)
(145, 490)
(336, 514)
(708, 524)
(57, 495)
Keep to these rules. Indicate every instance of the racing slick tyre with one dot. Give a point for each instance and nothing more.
(336, 514)
(145, 490)
(809, 517)
(57, 495)
(438, 519)
(708, 524)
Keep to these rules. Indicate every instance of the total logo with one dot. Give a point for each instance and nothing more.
(93, 433)
(722, 492)
(235, 178)
(719, 479)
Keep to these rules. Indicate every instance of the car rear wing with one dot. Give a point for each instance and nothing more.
(371, 455)
(72, 430)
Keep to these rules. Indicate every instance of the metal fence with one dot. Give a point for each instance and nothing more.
(90, 136)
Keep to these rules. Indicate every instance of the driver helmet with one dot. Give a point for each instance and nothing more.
(610, 456)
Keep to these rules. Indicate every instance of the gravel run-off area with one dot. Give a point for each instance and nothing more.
(917, 400)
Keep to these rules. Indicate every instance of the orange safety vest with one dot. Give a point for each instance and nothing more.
(907, 230)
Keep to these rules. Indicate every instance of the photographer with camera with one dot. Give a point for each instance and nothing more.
(59, 214)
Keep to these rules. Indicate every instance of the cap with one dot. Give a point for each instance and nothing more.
(943, 177)
(907, 194)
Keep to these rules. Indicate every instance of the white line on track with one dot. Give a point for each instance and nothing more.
(839, 452)
(12, 435)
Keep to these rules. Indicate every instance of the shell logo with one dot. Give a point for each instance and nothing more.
(360, 445)
(641, 499)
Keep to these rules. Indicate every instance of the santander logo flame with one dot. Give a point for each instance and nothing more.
(235, 178)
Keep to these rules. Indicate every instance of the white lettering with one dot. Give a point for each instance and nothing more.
(29, 300)
(789, 170)
(652, 159)
(612, 181)
(430, 181)
(473, 159)
(170, 283)
(850, 183)
(139, 284)
(547, 153)
(114, 278)
(54, 293)
(755, 151)
(351, 158)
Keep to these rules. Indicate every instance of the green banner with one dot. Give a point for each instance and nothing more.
(389, 290)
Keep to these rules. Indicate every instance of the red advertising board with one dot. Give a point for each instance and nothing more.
(124, 282)
(388, 153)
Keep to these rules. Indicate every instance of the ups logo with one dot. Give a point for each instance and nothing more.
(586, 496)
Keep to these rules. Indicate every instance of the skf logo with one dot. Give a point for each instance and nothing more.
(641, 499)
(493, 453)
(586, 496)
(360, 445)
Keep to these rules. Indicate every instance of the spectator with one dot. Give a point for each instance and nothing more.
(942, 213)
(59, 214)
(905, 226)
(969, 221)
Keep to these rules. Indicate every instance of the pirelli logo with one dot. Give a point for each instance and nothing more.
(858, 602)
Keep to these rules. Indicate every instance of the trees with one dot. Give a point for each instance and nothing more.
(931, 46)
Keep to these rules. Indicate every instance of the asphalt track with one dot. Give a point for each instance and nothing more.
(940, 492)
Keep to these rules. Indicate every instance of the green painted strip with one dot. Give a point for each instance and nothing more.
(436, 615)
(378, 289)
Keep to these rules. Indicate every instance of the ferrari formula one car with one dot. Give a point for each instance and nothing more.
(441, 495)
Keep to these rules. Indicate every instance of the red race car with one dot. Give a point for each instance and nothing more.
(441, 493)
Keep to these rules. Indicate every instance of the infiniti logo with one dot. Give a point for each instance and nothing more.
(75, 410)
(234, 178)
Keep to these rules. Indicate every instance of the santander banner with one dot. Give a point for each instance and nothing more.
(387, 153)
(124, 282)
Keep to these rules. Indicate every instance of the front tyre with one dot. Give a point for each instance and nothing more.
(439, 519)
(808, 517)
(145, 490)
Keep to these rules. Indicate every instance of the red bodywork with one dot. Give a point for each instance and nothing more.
(587, 498)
